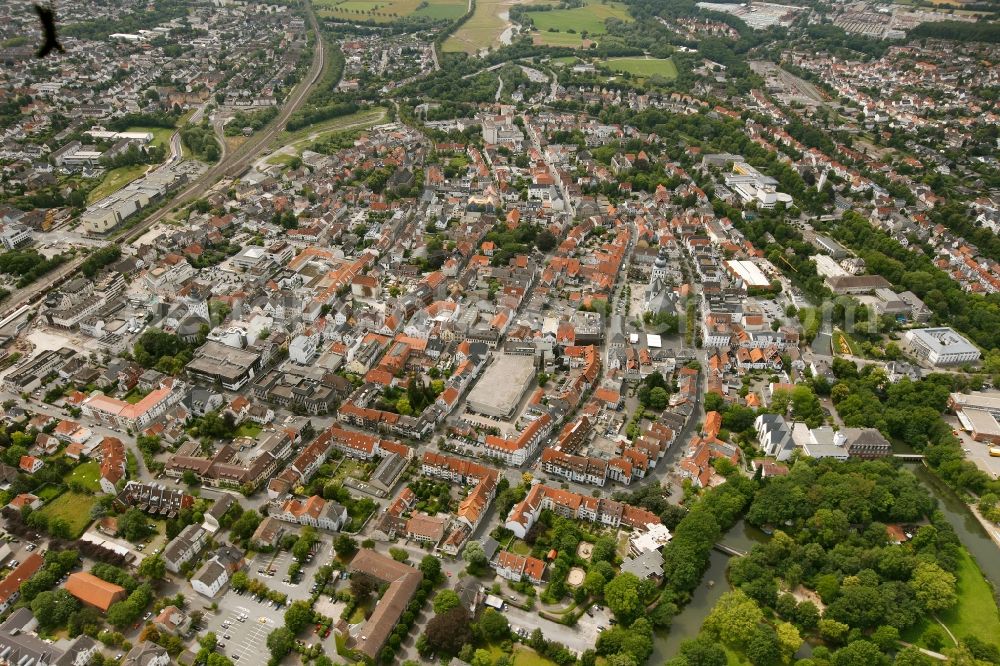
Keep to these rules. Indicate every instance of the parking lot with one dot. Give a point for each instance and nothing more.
(279, 563)
(977, 452)
(244, 641)
(582, 636)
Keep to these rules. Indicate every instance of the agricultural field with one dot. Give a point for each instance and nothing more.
(590, 18)
(643, 67)
(387, 11)
(72, 507)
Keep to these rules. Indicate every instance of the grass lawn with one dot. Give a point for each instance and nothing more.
(135, 395)
(664, 67)
(89, 474)
(569, 39)
(49, 492)
(115, 180)
(525, 656)
(307, 135)
(590, 17)
(348, 467)
(974, 614)
(359, 613)
(565, 60)
(976, 610)
(520, 548)
(281, 159)
(72, 507)
(248, 429)
(161, 135)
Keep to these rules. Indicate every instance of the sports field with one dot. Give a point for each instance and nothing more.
(569, 39)
(643, 67)
(387, 11)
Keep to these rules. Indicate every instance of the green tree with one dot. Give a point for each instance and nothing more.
(445, 600)
(594, 583)
(430, 566)
(764, 647)
(702, 651)
(493, 626)
(789, 639)
(298, 616)
(153, 567)
(134, 526)
(280, 642)
(246, 525)
(934, 587)
(53, 608)
(345, 546)
(622, 597)
(912, 656)
(886, 638)
(859, 653)
(734, 618)
(658, 398)
(475, 555)
(833, 631)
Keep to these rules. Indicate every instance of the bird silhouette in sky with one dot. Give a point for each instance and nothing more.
(48, 17)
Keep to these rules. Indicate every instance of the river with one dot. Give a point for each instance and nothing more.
(687, 624)
(742, 537)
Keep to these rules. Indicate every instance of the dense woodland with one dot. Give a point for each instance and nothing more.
(831, 572)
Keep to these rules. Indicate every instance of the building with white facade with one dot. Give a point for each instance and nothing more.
(941, 346)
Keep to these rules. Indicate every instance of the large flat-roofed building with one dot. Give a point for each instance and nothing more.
(749, 273)
(830, 246)
(979, 413)
(941, 346)
(500, 389)
(231, 366)
(856, 284)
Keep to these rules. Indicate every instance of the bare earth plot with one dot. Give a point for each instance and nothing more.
(484, 28)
